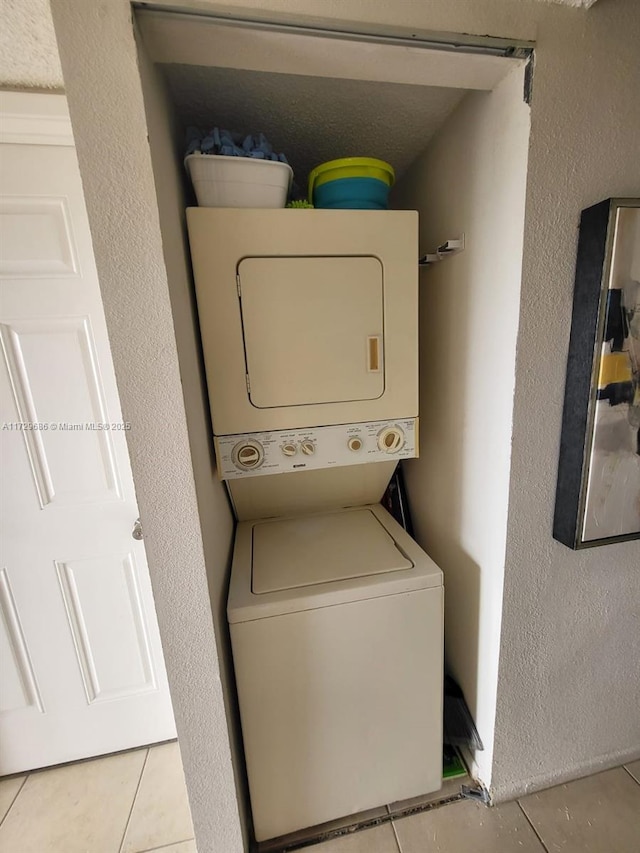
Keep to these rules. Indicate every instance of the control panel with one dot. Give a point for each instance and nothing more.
(282, 451)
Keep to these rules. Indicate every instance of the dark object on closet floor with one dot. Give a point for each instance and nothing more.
(395, 501)
(459, 728)
(453, 767)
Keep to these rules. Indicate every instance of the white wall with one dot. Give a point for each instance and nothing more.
(144, 285)
(28, 50)
(568, 686)
(558, 662)
(216, 518)
(471, 181)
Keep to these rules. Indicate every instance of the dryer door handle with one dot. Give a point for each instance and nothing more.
(374, 354)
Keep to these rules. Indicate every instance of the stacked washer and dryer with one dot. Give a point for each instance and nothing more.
(309, 323)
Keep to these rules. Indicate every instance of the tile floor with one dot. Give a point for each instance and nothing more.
(126, 803)
(137, 802)
(598, 814)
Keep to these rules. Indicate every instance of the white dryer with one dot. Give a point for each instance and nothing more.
(308, 318)
(336, 626)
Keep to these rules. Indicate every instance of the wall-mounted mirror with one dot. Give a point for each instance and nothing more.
(598, 494)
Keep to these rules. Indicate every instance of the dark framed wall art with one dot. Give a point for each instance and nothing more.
(598, 493)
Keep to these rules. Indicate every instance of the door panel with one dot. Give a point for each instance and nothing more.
(55, 381)
(37, 236)
(79, 641)
(325, 316)
(19, 689)
(102, 600)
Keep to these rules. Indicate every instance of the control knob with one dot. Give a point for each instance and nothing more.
(391, 439)
(355, 443)
(248, 455)
(289, 449)
(308, 447)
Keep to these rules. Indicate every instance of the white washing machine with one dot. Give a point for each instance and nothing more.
(336, 626)
(310, 339)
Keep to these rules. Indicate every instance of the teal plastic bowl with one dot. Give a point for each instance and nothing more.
(352, 193)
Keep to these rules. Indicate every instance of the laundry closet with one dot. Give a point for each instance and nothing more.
(307, 330)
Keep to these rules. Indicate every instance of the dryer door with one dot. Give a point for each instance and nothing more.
(313, 329)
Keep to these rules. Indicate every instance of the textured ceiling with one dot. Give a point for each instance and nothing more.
(313, 119)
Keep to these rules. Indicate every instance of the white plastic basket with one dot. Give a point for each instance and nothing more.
(221, 181)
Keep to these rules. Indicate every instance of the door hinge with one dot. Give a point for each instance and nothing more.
(238, 288)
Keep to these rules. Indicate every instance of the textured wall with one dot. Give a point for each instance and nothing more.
(102, 78)
(471, 180)
(568, 688)
(506, 18)
(28, 50)
(216, 520)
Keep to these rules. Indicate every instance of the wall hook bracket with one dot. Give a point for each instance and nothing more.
(449, 247)
(478, 793)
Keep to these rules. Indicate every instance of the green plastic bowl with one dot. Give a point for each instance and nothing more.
(350, 167)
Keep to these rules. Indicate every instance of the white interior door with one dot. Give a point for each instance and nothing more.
(82, 666)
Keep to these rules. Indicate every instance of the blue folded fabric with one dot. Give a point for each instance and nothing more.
(230, 144)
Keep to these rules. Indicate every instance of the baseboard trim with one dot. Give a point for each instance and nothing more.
(512, 790)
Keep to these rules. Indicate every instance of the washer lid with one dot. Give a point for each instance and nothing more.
(298, 552)
(315, 561)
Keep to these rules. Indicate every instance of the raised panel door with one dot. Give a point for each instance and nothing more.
(82, 666)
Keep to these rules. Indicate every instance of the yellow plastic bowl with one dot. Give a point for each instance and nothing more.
(350, 167)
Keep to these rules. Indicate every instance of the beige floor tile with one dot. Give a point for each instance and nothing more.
(74, 809)
(450, 787)
(380, 839)
(160, 813)
(302, 835)
(183, 847)
(468, 827)
(634, 769)
(8, 792)
(599, 814)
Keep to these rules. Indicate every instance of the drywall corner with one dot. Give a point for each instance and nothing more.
(216, 519)
(568, 689)
(471, 180)
(99, 60)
